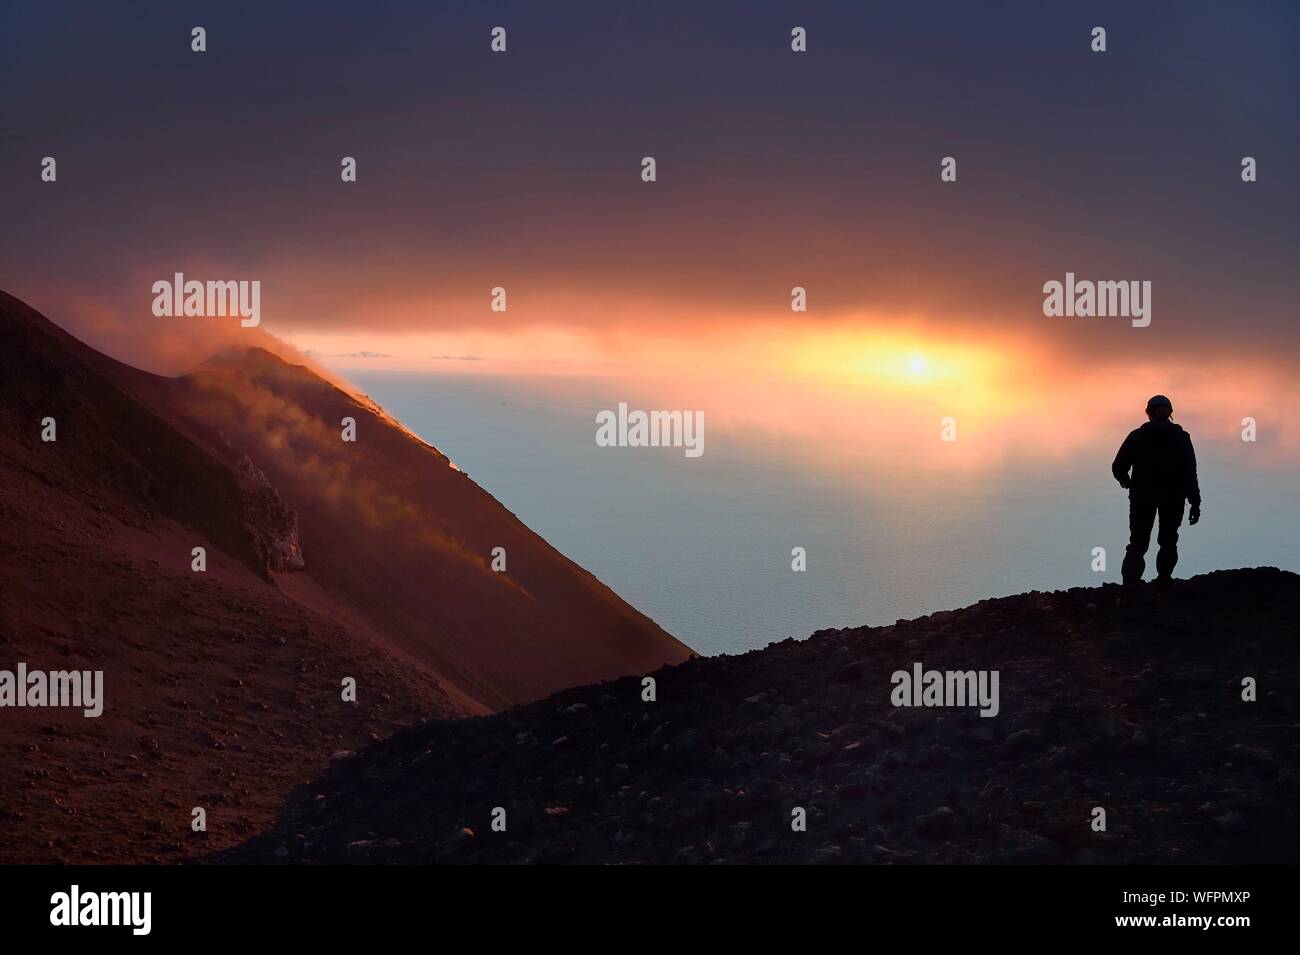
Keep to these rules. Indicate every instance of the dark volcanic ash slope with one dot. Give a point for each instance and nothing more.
(1134, 709)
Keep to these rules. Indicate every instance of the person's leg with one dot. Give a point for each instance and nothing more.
(1141, 515)
(1171, 516)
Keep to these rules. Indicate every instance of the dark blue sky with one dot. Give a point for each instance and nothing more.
(774, 169)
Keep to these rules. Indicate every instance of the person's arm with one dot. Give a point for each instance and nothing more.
(1193, 486)
(1123, 461)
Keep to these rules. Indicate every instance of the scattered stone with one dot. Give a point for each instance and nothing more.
(1231, 822)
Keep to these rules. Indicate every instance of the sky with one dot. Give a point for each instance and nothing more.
(775, 169)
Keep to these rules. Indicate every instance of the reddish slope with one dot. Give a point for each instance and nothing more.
(223, 688)
(402, 540)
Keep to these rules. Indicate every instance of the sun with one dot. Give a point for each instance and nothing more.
(917, 365)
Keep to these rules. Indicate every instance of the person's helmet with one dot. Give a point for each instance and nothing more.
(1160, 402)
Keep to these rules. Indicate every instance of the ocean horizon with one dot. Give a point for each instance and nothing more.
(704, 545)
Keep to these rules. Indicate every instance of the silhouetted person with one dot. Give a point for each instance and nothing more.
(1163, 477)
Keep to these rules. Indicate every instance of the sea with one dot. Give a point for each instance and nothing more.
(708, 546)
